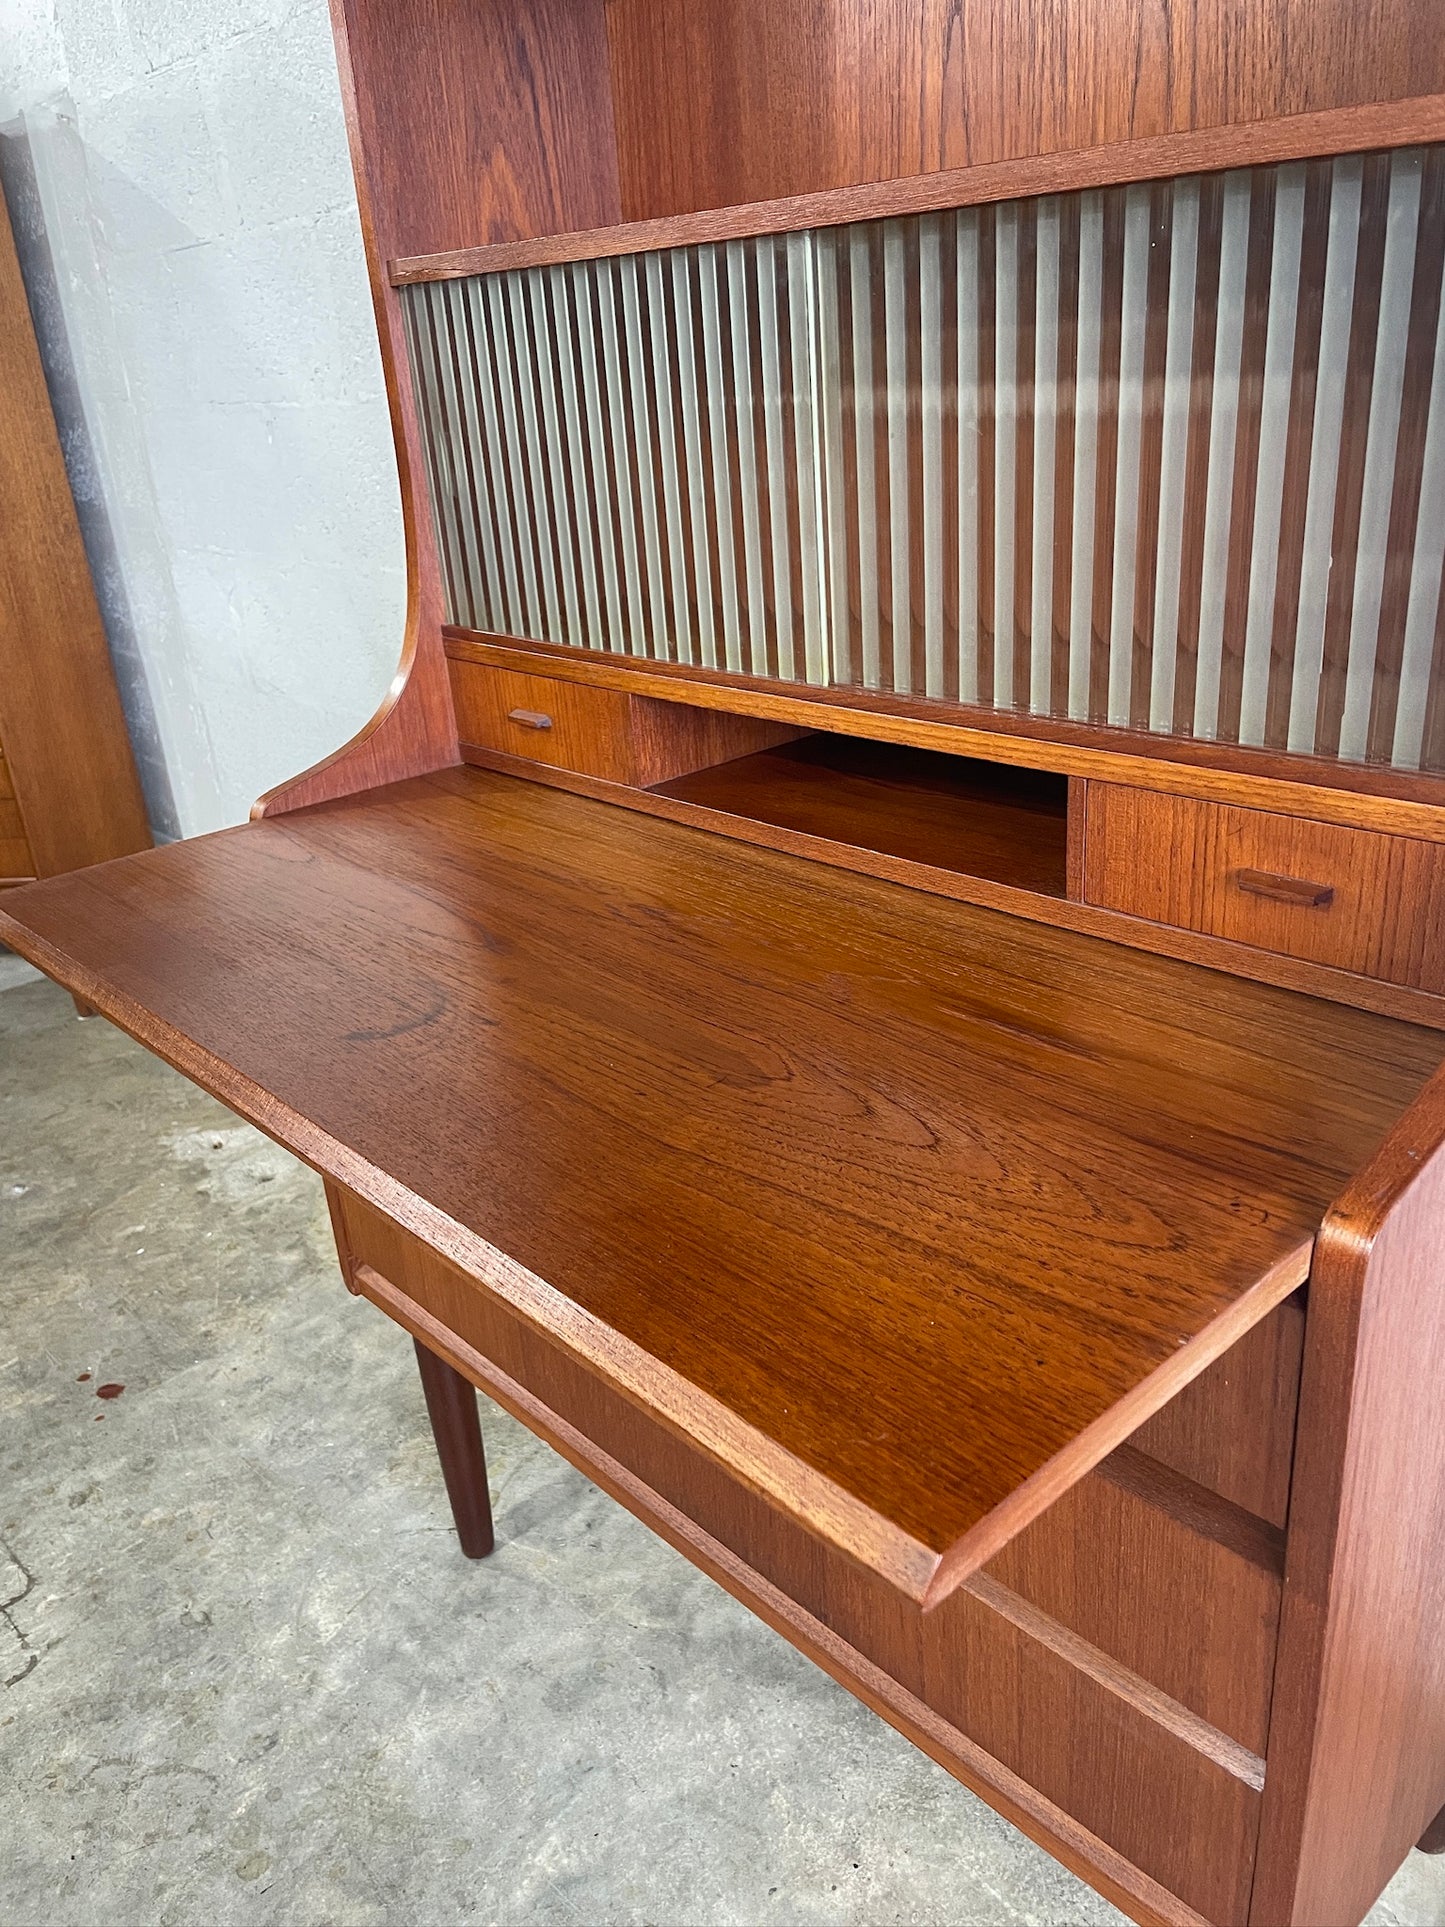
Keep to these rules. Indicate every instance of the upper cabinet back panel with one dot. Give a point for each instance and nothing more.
(723, 101)
(480, 120)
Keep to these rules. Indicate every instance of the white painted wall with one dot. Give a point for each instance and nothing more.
(178, 174)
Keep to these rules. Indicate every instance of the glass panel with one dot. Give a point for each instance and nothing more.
(1169, 455)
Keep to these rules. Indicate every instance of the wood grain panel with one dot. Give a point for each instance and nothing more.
(1355, 899)
(1181, 1813)
(68, 763)
(718, 103)
(1179, 1586)
(975, 818)
(1357, 1744)
(663, 749)
(1046, 1708)
(17, 865)
(1233, 1429)
(1084, 1852)
(11, 827)
(857, 1605)
(986, 1174)
(1341, 130)
(16, 858)
(481, 122)
(1215, 953)
(598, 732)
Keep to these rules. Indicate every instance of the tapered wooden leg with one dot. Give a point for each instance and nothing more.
(1432, 1840)
(452, 1407)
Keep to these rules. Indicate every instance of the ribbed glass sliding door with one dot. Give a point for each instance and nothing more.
(1169, 456)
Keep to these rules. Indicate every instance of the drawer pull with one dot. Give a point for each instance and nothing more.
(1262, 883)
(529, 718)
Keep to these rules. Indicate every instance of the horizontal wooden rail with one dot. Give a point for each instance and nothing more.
(1336, 130)
(1408, 802)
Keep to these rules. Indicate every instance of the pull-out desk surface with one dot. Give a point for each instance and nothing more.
(906, 1212)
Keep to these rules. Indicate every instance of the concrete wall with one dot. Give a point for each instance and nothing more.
(178, 176)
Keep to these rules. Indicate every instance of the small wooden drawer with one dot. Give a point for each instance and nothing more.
(565, 724)
(1359, 900)
(598, 732)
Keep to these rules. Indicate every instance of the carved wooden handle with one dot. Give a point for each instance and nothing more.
(529, 718)
(1263, 883)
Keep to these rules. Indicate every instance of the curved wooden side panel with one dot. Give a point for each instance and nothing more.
(414, 730)
(1356, 1762)
(463, 120)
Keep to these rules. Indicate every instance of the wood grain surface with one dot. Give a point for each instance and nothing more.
(746, 1132)
(481, 123)
(980, 819)
(606, 733)
(16, 862)
(1166, 940)
(1175, 1583)
(1405, 801)
(1356, 1763)
(1167, 1792)
(1154, 157)
(1360, 900)
(840, 1616)
(720, 101)
(1233, 1429)
(69, 793)
(1155, 1780)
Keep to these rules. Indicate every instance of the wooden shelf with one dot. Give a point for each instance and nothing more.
(907, 1211)
(952, 813)
(1334, 130)
(1372, 795)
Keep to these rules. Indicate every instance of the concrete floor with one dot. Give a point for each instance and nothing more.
(247, 1676)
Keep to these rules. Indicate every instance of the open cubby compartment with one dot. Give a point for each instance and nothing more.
(955, 813)
(868, 804)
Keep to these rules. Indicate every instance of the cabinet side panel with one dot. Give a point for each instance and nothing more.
(1356, 1763)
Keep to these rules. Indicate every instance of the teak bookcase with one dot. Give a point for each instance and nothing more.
(877, 978)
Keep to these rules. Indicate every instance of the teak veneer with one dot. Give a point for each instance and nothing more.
(973, 1180)
(983, 1175)
(69, 791)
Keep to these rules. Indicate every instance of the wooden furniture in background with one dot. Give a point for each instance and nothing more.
(960, 1154)
(69, 793)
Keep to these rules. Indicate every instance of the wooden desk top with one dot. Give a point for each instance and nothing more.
(908, 1210)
